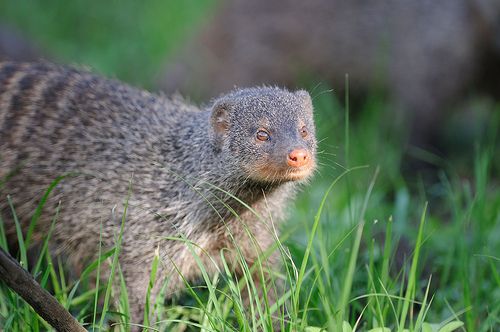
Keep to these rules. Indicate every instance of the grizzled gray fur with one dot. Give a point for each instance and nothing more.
(425, 54)
(255, 144)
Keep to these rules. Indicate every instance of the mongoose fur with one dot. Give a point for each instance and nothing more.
(254, 143)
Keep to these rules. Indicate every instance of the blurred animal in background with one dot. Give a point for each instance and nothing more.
(424, 55)
(15, 46)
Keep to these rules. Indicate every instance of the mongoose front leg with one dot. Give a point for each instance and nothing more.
(137, 285)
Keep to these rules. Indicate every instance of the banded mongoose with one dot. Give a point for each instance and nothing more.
(180, 163)
(425, 55)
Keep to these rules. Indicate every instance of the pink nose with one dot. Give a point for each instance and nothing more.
(298, 158)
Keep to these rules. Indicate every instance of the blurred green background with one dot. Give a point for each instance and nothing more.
(126, 39)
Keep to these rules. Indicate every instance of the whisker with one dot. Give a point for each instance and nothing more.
(321, 93)
(316, 86)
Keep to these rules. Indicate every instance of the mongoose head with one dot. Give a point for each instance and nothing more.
(266, 134)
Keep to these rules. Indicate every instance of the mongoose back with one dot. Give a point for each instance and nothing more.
(180, 167)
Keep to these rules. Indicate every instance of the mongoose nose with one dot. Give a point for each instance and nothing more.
(298, 158)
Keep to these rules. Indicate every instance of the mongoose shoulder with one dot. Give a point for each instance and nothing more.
(185, 170)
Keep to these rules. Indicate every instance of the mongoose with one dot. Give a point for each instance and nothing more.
(180, 167)
(425, 55)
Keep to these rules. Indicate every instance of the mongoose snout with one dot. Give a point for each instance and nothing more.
(298, 158)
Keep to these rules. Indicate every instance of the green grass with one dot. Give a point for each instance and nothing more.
(366, 246)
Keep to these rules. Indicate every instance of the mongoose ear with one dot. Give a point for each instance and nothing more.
(305, 98)
(220, 118)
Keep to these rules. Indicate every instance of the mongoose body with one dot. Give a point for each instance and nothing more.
(176, 164)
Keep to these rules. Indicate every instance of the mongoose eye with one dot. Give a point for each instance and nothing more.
(263, 135)
(303, 131)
